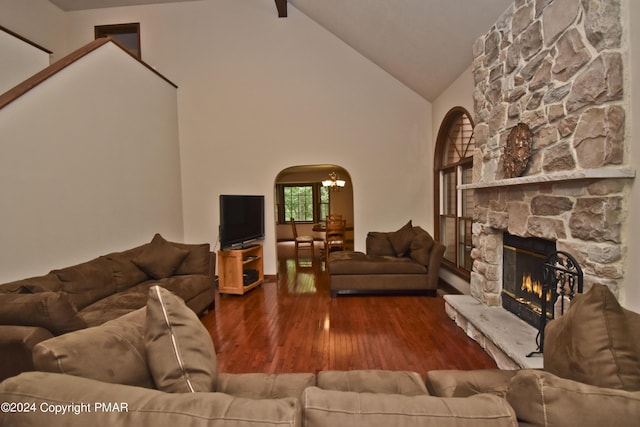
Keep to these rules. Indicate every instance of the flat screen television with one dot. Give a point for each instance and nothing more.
(241, 219)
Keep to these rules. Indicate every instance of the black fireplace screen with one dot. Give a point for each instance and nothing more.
(522, 277)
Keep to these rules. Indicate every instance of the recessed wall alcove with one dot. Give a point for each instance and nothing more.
(340, 201)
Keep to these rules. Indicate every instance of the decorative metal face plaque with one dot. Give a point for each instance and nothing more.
(517, 151)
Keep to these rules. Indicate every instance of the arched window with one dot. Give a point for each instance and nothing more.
(454, 208)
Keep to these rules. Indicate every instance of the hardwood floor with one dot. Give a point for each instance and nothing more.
(293, 325)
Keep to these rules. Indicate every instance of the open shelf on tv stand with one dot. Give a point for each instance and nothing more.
(232, 266)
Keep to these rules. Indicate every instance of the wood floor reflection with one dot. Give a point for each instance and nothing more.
(293, 325)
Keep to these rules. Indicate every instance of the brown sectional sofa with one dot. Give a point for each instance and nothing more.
(94, 292)
(406, 261)
(597, 384)
(167, 375)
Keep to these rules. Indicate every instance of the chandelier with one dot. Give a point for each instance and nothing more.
(334, 183)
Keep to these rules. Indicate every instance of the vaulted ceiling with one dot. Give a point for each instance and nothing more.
(425, 44)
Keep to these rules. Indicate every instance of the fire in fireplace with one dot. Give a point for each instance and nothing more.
(522, 277)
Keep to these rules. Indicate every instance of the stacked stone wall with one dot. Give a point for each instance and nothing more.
(557, 66)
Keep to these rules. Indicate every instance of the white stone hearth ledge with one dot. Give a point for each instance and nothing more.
(506, 337)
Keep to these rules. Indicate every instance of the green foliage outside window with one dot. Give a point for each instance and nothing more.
(303, 203)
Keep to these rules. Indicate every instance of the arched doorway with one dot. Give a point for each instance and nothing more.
(299, 193)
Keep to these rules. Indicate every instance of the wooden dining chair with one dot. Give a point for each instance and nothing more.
(334, 239)
(301, 241)
(334, 217)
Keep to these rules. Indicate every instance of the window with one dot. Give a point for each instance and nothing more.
(127, 35)
(302, 202)
(454, 207)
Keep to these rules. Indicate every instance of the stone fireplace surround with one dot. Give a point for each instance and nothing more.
(557, 66)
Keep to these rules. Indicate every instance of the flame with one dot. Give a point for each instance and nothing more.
(533, 287)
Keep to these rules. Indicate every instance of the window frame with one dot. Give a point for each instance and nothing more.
(317, 189)
(458, 167)
(117, 32)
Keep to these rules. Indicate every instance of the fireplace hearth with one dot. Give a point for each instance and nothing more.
(522, 277)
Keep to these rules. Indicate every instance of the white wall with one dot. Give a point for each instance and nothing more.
(39, 21)
(259, 94)
(20, 60)
(90, 164)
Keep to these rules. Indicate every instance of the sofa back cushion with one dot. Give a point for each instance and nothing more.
(50, 310)
(113, 352)
(136, 406)
(592, 343)
(180, 351)
(46, 283)
(198, 260)
(125, 273)
(265, 386)
(407, 383)
(87, 282)
(329, 408)
(543, 399)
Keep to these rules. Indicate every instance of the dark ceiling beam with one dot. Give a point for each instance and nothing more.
(282, 8)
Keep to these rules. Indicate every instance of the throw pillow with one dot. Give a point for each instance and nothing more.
(401, 239)
(591, 343)
(50, 310)
(93, 352)
(198, 261)
(181, 355)
(378, 244)
(421, 245)
(160, 259)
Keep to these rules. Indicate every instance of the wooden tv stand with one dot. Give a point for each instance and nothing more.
(232, 263)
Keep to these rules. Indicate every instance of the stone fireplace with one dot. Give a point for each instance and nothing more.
(558, 67)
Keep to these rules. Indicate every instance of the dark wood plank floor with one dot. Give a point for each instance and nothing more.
(293, 325)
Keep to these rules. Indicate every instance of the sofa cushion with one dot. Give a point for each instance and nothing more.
(125, 273)
(378, 243)
(116, 305)
(341, 408)
(17, 346)
(188, 286)
(197, 261)
(591, 344)
(356, 263)
(137, 406)
(458, 383)
(50, 310)
(265, 386)
(113, 352)
(543, 399)
(87, 282)
(401, 239)
(373, 381)
(181, 355)
(421, 245)
(47, 283)
(160, 258)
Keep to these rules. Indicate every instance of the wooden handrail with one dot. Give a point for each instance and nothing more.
(18, 36)
(24, 87)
